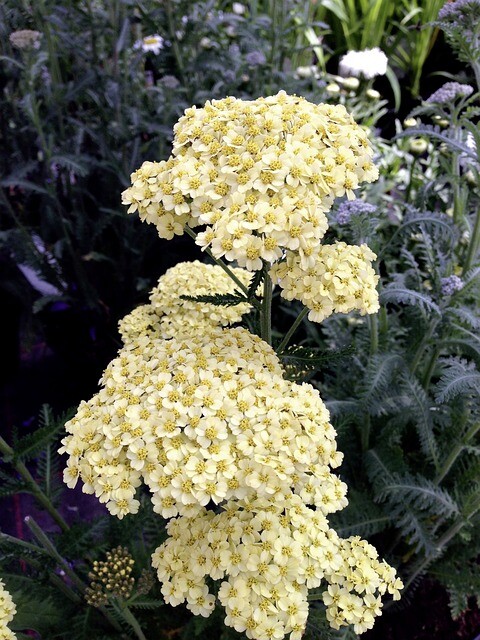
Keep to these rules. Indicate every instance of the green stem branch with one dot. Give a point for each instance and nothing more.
(39, 495)
(473, 245)
(291, 331)
(456, 451)
(227, 270)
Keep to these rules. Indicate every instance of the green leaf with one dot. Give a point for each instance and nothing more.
(312, 359)
(400, 294)
(219, 299)
(32, 444)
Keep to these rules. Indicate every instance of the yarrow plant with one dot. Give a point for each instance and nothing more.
(203, 413)
(7, 612)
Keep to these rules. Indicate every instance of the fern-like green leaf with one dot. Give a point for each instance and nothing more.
(458, 377)
(398, 293)
(219, 299)
(420, 411)
(30, 445)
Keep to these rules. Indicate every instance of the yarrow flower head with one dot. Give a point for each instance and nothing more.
(351, 208)
(451, 285)
(150, 44)
(367, 64)
(25, 39)
(449, 92)
(7, 612)
(260, 174)
(169, 315)
(341, 280)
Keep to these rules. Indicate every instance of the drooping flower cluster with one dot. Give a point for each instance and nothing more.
(169, 315)
(341, 280)
(259, 174)
(449, 92)
(367, 64)
(353, 208)
(7, 612)
(200, 419)
(268, 554)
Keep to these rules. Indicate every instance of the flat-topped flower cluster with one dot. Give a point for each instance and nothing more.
(7, 612)
(260, 174)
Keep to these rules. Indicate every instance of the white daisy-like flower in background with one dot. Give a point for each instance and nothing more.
(368, 63)
(150, 44)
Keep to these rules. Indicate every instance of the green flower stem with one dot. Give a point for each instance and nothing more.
(173, 36)
(227, 270)
(456, 451)
(42, 498)
(473, 245)
(410, 180)
(427, 376)
(423, 344)
(128, 616)
(372, 320)
(50, 548)
(266, 313)
(22, 543)
(365, 433)
(291, 331)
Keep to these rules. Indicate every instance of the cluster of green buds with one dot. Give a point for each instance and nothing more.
(112, 577)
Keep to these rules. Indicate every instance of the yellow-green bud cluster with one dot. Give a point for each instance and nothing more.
(111, 577)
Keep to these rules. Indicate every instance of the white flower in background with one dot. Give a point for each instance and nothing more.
(7, 611)
(150, 44)
(368, 63)
(238, 8)
(25, 39)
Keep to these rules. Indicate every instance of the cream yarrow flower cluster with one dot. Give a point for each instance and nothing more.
(341, 280)
(201, 419)
(168, 315)
(259, 174)
(7, 612)
(268, 554)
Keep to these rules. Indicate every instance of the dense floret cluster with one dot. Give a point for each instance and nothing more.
(449, 92)
(208, 418)
(7, 612)
(169, 315)
(260, 174)
(268, 554)
(341, 280)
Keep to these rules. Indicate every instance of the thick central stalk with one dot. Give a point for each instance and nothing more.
(266, 311)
